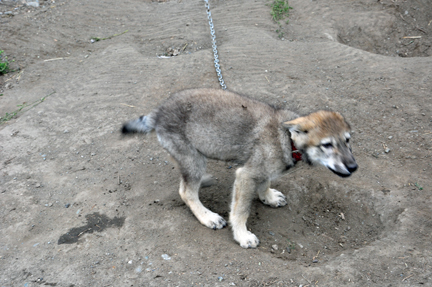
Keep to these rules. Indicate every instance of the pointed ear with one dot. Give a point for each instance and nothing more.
(292, 128)
(298, 125)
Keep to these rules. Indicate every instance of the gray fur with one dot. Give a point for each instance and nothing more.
(196, 125)
(143, 124)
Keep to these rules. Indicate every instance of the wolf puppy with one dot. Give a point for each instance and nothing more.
(201, 124)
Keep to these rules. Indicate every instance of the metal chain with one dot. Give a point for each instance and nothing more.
(215, 52)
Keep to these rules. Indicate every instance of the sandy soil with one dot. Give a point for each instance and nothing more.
(80, 206)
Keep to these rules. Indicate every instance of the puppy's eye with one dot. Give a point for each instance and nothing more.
(327, 145)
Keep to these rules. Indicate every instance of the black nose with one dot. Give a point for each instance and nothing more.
(352, 167)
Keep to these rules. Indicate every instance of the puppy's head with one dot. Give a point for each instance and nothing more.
(323, 138)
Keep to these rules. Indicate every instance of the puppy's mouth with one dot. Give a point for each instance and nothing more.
(344, 172)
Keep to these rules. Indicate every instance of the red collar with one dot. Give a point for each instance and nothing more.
(296, 154)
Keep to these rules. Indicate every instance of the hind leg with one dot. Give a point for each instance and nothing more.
(189, 193)
(271, 196)
(192, 165)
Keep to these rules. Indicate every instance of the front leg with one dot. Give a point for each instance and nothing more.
(243, 194)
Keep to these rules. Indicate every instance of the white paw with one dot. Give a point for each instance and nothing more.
(213, 220)
(247, 239)
(274, 198)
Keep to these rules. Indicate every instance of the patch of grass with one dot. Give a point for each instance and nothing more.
(280, 10)
(13, 114)
(291, 244)
(280, 33)
(4, 64)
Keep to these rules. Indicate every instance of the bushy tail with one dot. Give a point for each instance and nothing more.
(143, 124)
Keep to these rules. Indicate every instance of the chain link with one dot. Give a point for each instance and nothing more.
(215, 51)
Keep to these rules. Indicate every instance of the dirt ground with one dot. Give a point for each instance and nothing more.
(81, 206)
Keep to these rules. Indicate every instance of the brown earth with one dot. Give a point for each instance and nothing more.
(80, 206)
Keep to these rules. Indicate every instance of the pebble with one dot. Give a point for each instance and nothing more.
(33, 4)
(67, 205)
(166, 257)
(315, 261)
(387, 150)
(271, 233)
(275, 247)
(220, 278)
(138, 269)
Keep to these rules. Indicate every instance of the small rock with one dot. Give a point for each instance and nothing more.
(38, 185)
(390, 137)
(271, 233)
(288, 250)
(315, 261)
(220, 278)
(67, 205)
(130, 262)
(166, 257)
(33, 3)
(275, 247)
(387, 150)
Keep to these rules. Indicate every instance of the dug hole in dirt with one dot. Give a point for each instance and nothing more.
(82, 206)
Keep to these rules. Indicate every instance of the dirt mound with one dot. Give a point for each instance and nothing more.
(67, 176)
(390, 28)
